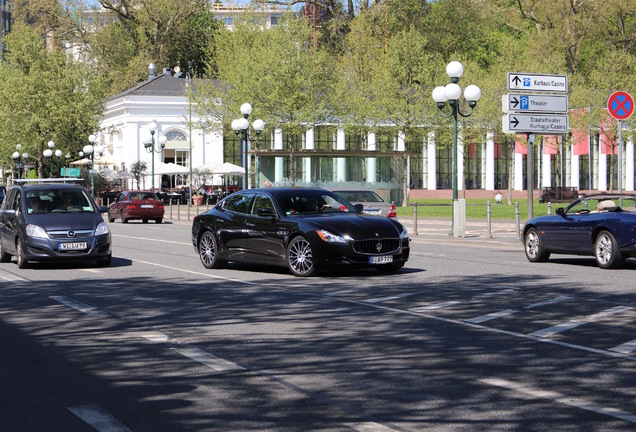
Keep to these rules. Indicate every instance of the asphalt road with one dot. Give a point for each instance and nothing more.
(468, 336)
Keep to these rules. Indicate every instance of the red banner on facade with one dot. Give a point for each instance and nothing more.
(550, 144)
(607, 135)
(580, 137)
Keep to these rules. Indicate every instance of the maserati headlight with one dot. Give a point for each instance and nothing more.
(330, 238)
(35, 231)
(404, 234)
(101, 229)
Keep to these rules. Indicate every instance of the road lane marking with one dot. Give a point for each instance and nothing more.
(559, 328)
(14, 279)
(209, 360)
(494, 293)
(626, 348)
(153, 336)
(383, 299)
(368, 427)
(562, 399)
(548, 302)
(151, 239)
(492, 316)
(77, 305)
(435, 306)
(98, 418)
(196, 272)
(337, 293)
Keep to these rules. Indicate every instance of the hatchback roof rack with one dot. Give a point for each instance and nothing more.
(49, 180)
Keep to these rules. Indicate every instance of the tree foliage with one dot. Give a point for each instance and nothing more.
(46, 96)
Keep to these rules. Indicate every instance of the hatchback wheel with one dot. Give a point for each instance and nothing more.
(209, 252)
(4, 256)
(105, 262)
(159, 220)
(22, 261)
(123, 218)
(110, 217)
(606, 251)
(300, 257)
(534, 247)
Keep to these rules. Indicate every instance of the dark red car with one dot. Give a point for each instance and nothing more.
(136, 204)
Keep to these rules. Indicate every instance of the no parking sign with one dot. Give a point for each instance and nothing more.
(620, 105)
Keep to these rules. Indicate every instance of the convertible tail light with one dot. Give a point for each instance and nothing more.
(392, 212)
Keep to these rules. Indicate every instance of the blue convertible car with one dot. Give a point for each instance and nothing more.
(602, 225)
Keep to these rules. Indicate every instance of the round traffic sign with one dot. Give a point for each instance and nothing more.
(620, 105)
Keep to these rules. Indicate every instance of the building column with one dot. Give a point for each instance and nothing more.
(309, 145)
(602, 168)
(490, 161)
(518, 174)
(340, 163)
(575, 169)
(460, 160)
(546, 168)
(629, 167)
(279, 168)
(431, 165)
(371, 162)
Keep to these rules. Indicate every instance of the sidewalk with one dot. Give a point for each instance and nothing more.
(501, 232)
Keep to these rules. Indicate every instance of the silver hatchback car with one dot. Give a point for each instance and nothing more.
(371, 202)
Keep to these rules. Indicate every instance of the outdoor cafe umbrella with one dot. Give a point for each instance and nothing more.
(228, 169)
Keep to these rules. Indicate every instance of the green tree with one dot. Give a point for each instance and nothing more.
(138, 170)
(46, 96)
(276, 71)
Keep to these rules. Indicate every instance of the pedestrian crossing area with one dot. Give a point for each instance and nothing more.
(584, 322)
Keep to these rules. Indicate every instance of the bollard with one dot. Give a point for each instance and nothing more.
(549, 208)
(415, 219)
(488, 220)
(517, 217)
(179, 210)
(170, 209)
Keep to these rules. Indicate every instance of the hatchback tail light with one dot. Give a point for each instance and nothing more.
(392, 212)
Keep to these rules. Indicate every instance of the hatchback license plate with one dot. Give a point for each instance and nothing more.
(72, 246)
(385, 259)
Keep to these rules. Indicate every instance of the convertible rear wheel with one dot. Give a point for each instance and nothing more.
(209, 252)
(300, 257)
(606, 251)
(534, 248)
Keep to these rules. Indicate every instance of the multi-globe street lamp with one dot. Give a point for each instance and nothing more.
(17, 158)
(451, 94)
(241, 127)
(49, 154)
(150, 148)
(95, 152)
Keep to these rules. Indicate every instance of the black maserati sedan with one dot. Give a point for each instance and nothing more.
(304, 229)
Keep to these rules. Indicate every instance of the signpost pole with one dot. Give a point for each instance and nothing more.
(530, 176)
(620, 158)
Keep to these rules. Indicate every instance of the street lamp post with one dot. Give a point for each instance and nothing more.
(150, 148)
(190, 86)
(16, 157)
(90, 150)
(49, 154)
(241, 127)
(451, 94)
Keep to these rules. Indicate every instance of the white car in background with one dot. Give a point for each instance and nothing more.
(372, 203)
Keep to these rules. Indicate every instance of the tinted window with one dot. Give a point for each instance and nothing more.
(237, 202)
(262, 201)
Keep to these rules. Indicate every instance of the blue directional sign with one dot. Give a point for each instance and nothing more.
(537, 82)
(513, 102)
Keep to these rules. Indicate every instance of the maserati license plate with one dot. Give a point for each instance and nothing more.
(72, 246)
(385, 259)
